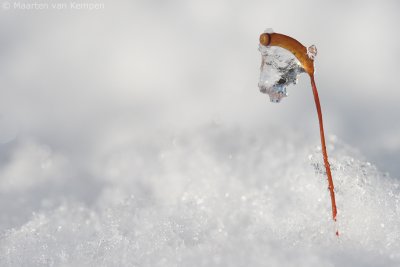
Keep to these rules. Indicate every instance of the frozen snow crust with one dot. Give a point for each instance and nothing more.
(217, 196)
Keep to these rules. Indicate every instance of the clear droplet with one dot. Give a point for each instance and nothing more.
(312, 51)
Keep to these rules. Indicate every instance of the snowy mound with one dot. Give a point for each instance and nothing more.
(213, 197)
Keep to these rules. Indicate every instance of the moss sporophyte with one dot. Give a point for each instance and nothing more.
(279, 70)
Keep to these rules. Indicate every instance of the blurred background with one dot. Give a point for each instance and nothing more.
(71, 77)
(80, 82)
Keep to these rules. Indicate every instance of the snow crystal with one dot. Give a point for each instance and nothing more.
(269, 30)
(216, 197)
(279, 69)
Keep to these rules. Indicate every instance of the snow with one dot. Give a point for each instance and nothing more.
(279, 69)
(269, 30)
(217, 196)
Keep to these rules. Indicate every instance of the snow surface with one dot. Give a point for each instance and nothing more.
(217, 196)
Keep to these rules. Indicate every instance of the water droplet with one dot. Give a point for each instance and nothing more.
(312, 52)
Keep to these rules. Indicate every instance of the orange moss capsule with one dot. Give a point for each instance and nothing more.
(291, 44)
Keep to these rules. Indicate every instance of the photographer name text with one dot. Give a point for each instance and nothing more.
(52, 6)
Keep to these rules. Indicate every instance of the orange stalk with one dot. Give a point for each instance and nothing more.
(300, 52)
